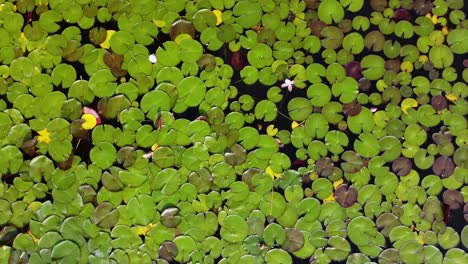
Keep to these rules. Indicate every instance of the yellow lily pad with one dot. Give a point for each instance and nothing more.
(90, 121)
(408, 103)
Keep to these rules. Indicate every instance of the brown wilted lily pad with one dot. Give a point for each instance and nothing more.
(439, 102)
(352, 109)
(294, 240)
(443, 166)
(114, 61)
(353, 70)
(374, 41)
(169, 217)
(346, 196)
(453, 198)
(324, 167)
(168, 250)
(422, 7)
(393, 65)
(353, 162)
(401, 166)
(364, 84)
(316, 27)
(401, 14)
(182, 26)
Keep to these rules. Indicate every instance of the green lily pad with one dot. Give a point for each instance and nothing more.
(191, 92)
(265, 110)
(103, 154)
(247, 14)
(363, 122)
(105, 215)
(278, 256)
(373, 66)
(363, 233)
(299, 108)
(234, 229)
(319, 94)
(102, 83)
(330, 11)
(260, 56)
(367, 146)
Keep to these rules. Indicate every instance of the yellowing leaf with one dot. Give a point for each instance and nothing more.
(22, 42)
(381, 85)
(218, 15)
(142, 230)
(182, 37)
(271, 130)
(272, 174)
(154, 147)
(451, 97)
(433, 18)
(44, 136)
(337, 183)
(34, 239)
(313, 175)
(329, 198)
(90, 121)
(159, 23)
(419, 237)
(423, 58)
(106, 43)
(34, 206)
(445, 30)
(294, 124)
(407, 66)
(301, 16)
(408, 103)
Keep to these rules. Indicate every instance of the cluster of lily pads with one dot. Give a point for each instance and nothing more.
(224, 131)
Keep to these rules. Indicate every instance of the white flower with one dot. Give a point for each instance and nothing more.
(152, 58)
(288, 83)
(147, 155)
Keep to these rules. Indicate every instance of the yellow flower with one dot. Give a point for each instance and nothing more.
(90, 121)
(273, 174)
(44, 136)
(106, 43)
(218, 15)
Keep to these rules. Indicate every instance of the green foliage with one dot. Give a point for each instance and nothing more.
(161, 131)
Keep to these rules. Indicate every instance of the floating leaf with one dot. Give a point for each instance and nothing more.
(330, 11)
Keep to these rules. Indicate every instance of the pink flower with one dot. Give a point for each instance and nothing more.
(288, 83)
